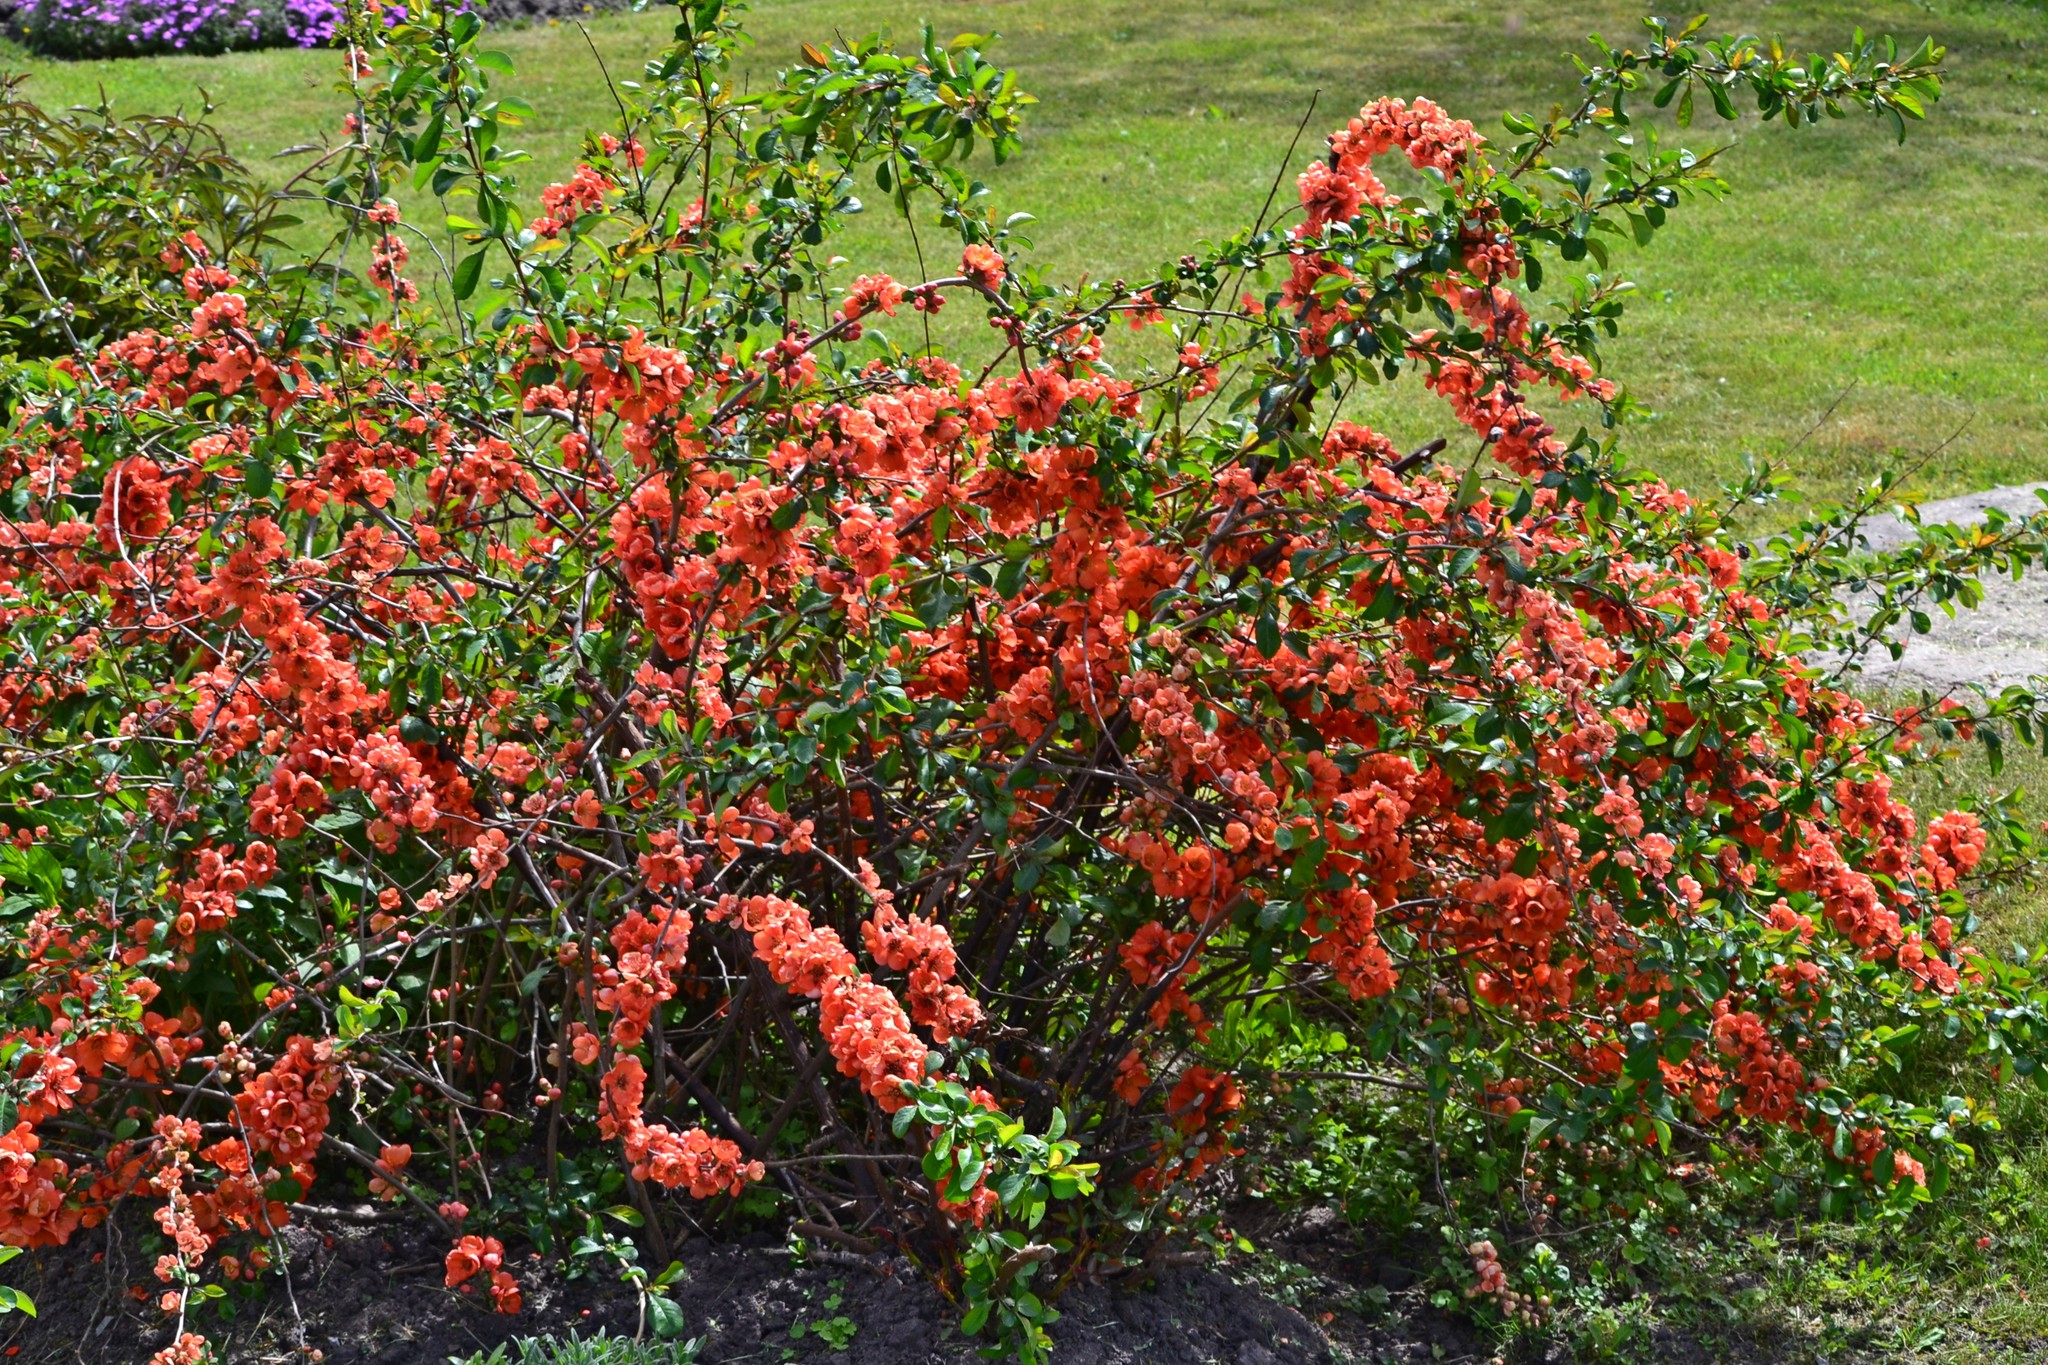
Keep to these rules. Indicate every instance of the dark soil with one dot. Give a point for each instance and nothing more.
(370, 1293)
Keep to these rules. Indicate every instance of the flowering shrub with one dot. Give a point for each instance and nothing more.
(597, 675)
(90, 190)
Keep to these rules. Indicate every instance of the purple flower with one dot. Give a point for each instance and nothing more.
(92, 28)
(122, 27)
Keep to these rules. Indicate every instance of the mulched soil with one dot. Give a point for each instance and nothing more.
(370, 1293)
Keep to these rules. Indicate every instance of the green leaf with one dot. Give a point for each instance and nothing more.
(467, 274)
(257, 478)
(429, 141)
(1470, 487)
(666, 1317)
(1268, 633)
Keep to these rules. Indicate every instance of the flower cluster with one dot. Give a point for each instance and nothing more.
(924, 951)
(472, 1256)
(864, 1025)
(692, 1160)
(388, 256)
(33, 1209)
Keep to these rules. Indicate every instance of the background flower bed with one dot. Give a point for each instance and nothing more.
(127, 28)
(102, 28)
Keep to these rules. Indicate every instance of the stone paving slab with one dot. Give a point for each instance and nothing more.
(2004, 641)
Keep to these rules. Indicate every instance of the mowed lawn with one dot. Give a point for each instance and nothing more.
(1902, 286)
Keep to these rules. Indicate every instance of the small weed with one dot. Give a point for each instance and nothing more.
(602, 1349)
(836, 1331)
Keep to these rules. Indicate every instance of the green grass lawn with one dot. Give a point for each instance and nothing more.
(1904, 282)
